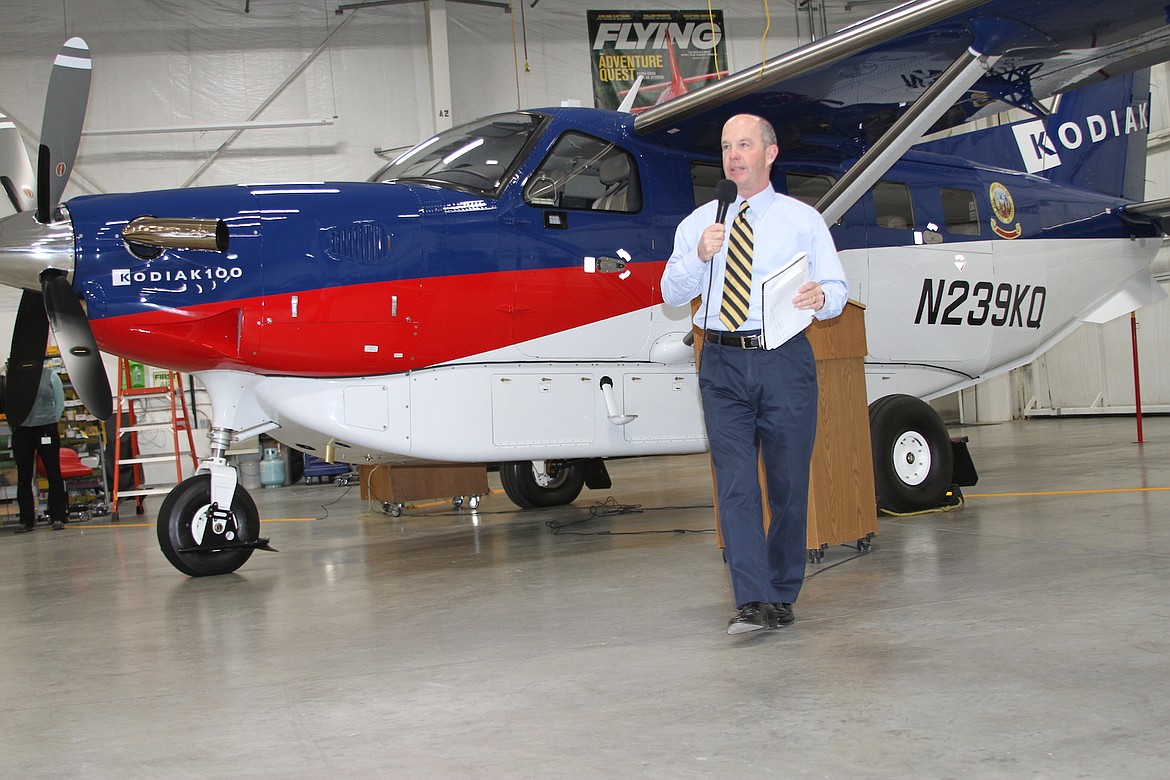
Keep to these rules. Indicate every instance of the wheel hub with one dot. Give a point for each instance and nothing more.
(911, 458)
(551, 477)
(219, 524)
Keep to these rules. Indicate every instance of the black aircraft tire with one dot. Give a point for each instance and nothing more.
(912, 459)
(567, 478)
(179, 511)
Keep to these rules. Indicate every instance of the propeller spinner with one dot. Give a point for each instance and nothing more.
(38, 252)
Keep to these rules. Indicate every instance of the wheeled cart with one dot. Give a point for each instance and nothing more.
(841, 505)
(321, 470)
(84, 486)
(395, 485)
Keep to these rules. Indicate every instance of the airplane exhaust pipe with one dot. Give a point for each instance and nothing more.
(177, 233)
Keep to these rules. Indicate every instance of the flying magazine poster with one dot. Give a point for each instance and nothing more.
(673, 52)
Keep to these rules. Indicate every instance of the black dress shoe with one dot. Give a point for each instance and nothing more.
(753, 616)
(784, 613)
(25, 529)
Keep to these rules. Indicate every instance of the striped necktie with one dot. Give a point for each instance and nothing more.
(737, 276)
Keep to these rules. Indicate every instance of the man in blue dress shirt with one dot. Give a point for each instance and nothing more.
(756, 402)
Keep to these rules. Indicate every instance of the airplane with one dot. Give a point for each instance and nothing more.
(674, 86)
(495, 297)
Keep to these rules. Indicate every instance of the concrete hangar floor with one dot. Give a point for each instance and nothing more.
(1025, 634)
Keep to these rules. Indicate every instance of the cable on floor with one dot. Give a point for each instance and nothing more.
(609, 508)
(328, 504)
(821, 568)
(954, 500)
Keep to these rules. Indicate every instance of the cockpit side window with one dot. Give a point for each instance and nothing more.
(807, 187)
(960, 211)
(583, 172)
(704, 177)
(892, 207)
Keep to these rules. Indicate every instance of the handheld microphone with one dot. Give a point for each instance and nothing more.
(725, 192)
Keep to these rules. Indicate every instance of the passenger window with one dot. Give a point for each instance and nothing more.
(960, 212)
(583, 172)
(891, 205)
(704, 177)
(807, 187)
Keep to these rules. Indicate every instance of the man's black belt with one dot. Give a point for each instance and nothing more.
(744, 340)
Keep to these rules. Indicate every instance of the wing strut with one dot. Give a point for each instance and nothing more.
(1150, 211)
(904, 133)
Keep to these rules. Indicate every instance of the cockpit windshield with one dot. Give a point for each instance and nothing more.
(477, 156)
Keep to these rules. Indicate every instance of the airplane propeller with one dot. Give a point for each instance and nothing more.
(61, 128)
(55, 306)
(79, 351)
(27, 356)
(16, 173)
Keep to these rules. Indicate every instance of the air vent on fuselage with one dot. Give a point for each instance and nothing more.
(362, 242)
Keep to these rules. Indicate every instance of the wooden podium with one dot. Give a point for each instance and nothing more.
(842, 507)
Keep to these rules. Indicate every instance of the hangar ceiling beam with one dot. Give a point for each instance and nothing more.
(267, 102)
(505, 7)
(437, 49)
(440, 56)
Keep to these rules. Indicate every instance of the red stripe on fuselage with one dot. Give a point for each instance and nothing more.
(377, 328)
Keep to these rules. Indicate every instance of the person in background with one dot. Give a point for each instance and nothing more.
(756, 401)
(38, 434)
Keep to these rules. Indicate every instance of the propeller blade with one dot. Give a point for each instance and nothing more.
(79, 351)
(61, 128)
(16, 173)
(30, 336)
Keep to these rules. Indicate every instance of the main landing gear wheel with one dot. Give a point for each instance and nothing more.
(185, 521)
(560, 483)
(912, 459)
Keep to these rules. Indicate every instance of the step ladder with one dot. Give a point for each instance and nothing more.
(161, 409)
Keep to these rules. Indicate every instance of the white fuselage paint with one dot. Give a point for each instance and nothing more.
(982, 308)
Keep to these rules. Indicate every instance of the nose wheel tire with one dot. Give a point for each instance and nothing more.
(187, 535)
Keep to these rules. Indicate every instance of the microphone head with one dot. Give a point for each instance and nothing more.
(725, 192)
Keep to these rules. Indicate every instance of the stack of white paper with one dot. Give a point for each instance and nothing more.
(782, 320)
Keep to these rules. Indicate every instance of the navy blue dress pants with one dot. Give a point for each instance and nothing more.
(759, 402)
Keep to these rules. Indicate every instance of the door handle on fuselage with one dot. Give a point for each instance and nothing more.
(607, 265)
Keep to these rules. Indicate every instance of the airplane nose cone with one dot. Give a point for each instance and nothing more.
(27, 248)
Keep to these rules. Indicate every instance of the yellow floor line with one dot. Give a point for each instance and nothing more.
(77, 525)
(1065, 492)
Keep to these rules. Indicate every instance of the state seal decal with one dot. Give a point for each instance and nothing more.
(1004, 209)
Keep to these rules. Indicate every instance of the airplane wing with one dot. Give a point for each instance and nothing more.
(846, 90)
